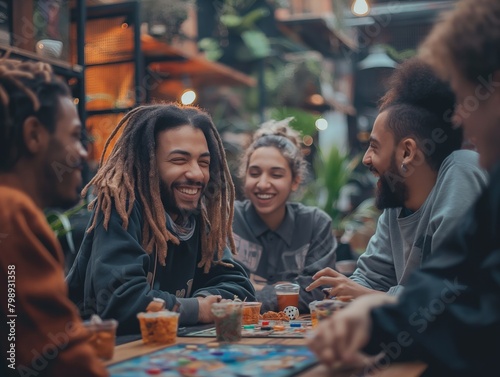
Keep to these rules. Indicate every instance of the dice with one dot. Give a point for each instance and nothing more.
(292, 312)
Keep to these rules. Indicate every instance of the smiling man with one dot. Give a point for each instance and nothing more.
(425, 183)
(162, 222)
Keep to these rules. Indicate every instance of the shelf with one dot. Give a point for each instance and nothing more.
(60, 67)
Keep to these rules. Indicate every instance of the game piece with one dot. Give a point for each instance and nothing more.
(265, 323)
(213, 345)
(279, 328)
(292, 312)
(295, 324)
(265, 328)
(247, 327)
(153, 371)
(192, 347)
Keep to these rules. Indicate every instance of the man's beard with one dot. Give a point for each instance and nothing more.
(171, 205)
(391, 189)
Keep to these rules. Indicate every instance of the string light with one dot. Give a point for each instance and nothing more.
(360, 8)
(321, 124)
(188, 97)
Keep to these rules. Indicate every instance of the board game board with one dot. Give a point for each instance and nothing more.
(292, 329)
(224, 360)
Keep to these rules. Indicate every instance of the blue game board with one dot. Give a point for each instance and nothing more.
(227, 360)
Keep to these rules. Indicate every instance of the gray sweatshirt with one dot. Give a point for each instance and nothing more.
(401, 244)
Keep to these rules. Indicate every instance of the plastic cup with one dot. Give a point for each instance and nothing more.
(326, 308)
(159, 327)
(103, 336)
(227, 318)
(287, 295)
(312, 310)
(251, 311)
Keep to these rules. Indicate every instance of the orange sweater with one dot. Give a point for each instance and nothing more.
(44, 335)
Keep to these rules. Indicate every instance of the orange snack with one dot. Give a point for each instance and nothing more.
(156, 305)
(275, 316)
(159, 327)
(251, 311)
(345, 298)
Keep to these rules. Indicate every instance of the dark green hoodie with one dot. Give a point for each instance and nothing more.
(113, 275)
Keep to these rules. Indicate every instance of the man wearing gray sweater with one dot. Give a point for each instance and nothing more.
(426, 184)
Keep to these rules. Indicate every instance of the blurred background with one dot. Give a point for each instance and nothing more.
(323, 62)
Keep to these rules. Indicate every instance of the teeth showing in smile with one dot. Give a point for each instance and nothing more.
(188, 191)
(264, 196)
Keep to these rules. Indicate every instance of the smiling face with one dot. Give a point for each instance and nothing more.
(380, 158)
(478, 112)
(63, 159)
(183, 161)
(268, 183)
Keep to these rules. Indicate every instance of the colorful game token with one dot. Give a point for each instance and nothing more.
(248, 327)
(295, 324)
(265, 323)
(213, 345)
(279, 328)
(192, 347)
(153, 371)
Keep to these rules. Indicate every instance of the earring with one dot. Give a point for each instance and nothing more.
(404, 168)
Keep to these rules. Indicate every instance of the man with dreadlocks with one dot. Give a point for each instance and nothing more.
(41, 158)
(162, 222)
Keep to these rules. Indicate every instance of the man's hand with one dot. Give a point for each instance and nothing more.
(205, 311)
(341, 284)
(337, 341)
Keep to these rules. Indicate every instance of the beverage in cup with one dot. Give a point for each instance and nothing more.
(227, 318)
(287, 295)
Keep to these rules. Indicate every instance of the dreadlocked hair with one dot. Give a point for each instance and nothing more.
(132, 169)
(26, 89)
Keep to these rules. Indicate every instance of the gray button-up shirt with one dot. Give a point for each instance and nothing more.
(302, 245)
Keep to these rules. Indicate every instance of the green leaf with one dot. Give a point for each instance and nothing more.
(230, 20)
(249, 19)
(257, 43)
(211, 48)
(303, 120)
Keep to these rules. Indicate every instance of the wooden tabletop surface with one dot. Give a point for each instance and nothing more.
(137, 348)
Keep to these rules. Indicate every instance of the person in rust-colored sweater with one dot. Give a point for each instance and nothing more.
(41, 157)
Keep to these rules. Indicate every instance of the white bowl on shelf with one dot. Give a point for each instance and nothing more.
(49, 48)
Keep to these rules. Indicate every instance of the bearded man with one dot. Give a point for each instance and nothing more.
(426, 184)
(162, 222)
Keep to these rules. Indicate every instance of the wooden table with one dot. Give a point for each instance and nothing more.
(137, 348)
